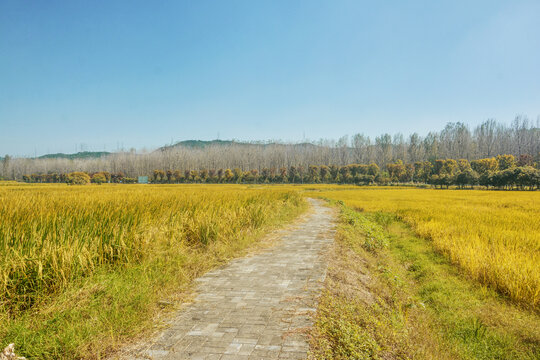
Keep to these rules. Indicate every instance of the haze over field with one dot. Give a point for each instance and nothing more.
(80, 76)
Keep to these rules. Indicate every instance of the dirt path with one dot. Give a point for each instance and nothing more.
(257, 307)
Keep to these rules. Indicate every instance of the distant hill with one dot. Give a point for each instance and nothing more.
(192, 144)
(79, 155)
(201, 144)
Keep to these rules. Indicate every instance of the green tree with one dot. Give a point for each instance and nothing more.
(203, 174)
(212, 175)
(527, 176)
(254, 174)
(345, 174)
(78, 178)
(482, 166)
(220, 174)
(283, 174)
(265, 174)
(463, 165)
(314, 174)
(450, 167)
(334, 172)
(99, 178)
(178, 176)
(238, 174)
(506, 161)
(419, 172)
(157, 176)
(293, 174)
(467, 177)
(325, 173)
(373, 169)
(228, 175)
(485, 179)
(396, 171)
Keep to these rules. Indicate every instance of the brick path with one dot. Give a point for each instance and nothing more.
(257, 307)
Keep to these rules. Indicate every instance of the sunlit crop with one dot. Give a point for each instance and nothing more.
(493, 235)
(53, 234)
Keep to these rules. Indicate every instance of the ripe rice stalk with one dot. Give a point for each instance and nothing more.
(494, 236)
(53, 234)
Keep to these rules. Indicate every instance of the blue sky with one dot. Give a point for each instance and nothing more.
(143, 73)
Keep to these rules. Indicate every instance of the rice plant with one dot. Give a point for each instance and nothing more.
(493, 235)
(53, 234)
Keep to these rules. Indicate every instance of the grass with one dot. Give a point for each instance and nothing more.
(84, 269)
(405, 300)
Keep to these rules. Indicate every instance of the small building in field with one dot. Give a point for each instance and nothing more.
(143, 180)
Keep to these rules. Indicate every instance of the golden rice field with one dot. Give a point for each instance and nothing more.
(133, 244)
(493, 235)
(53, 234)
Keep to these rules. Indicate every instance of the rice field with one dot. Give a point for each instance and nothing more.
(51, 235)
(494, 236)
(119, 249)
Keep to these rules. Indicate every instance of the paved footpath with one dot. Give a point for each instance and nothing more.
(257, 307)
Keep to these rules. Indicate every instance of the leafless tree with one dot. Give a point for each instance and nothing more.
(455, 141)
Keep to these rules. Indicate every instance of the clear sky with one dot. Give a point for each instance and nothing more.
(142, 73)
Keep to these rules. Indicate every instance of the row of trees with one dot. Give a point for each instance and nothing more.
(80, 178)
(456, 141)
(503, 171)
(292, 174)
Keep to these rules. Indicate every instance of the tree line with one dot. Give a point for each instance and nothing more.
(502, 171)
(456, 141)
(80, 178)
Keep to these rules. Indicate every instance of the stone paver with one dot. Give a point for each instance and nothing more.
(257, 307)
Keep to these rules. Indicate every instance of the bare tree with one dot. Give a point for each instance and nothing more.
(415, 148)
(360, 145)
(486, 135)
(342, 147)
(455, 141)
(399, 148)
(384, 149)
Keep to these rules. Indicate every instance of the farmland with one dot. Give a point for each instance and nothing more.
(493, 236)
(82, 266)
(430, 274)
(86, 268)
